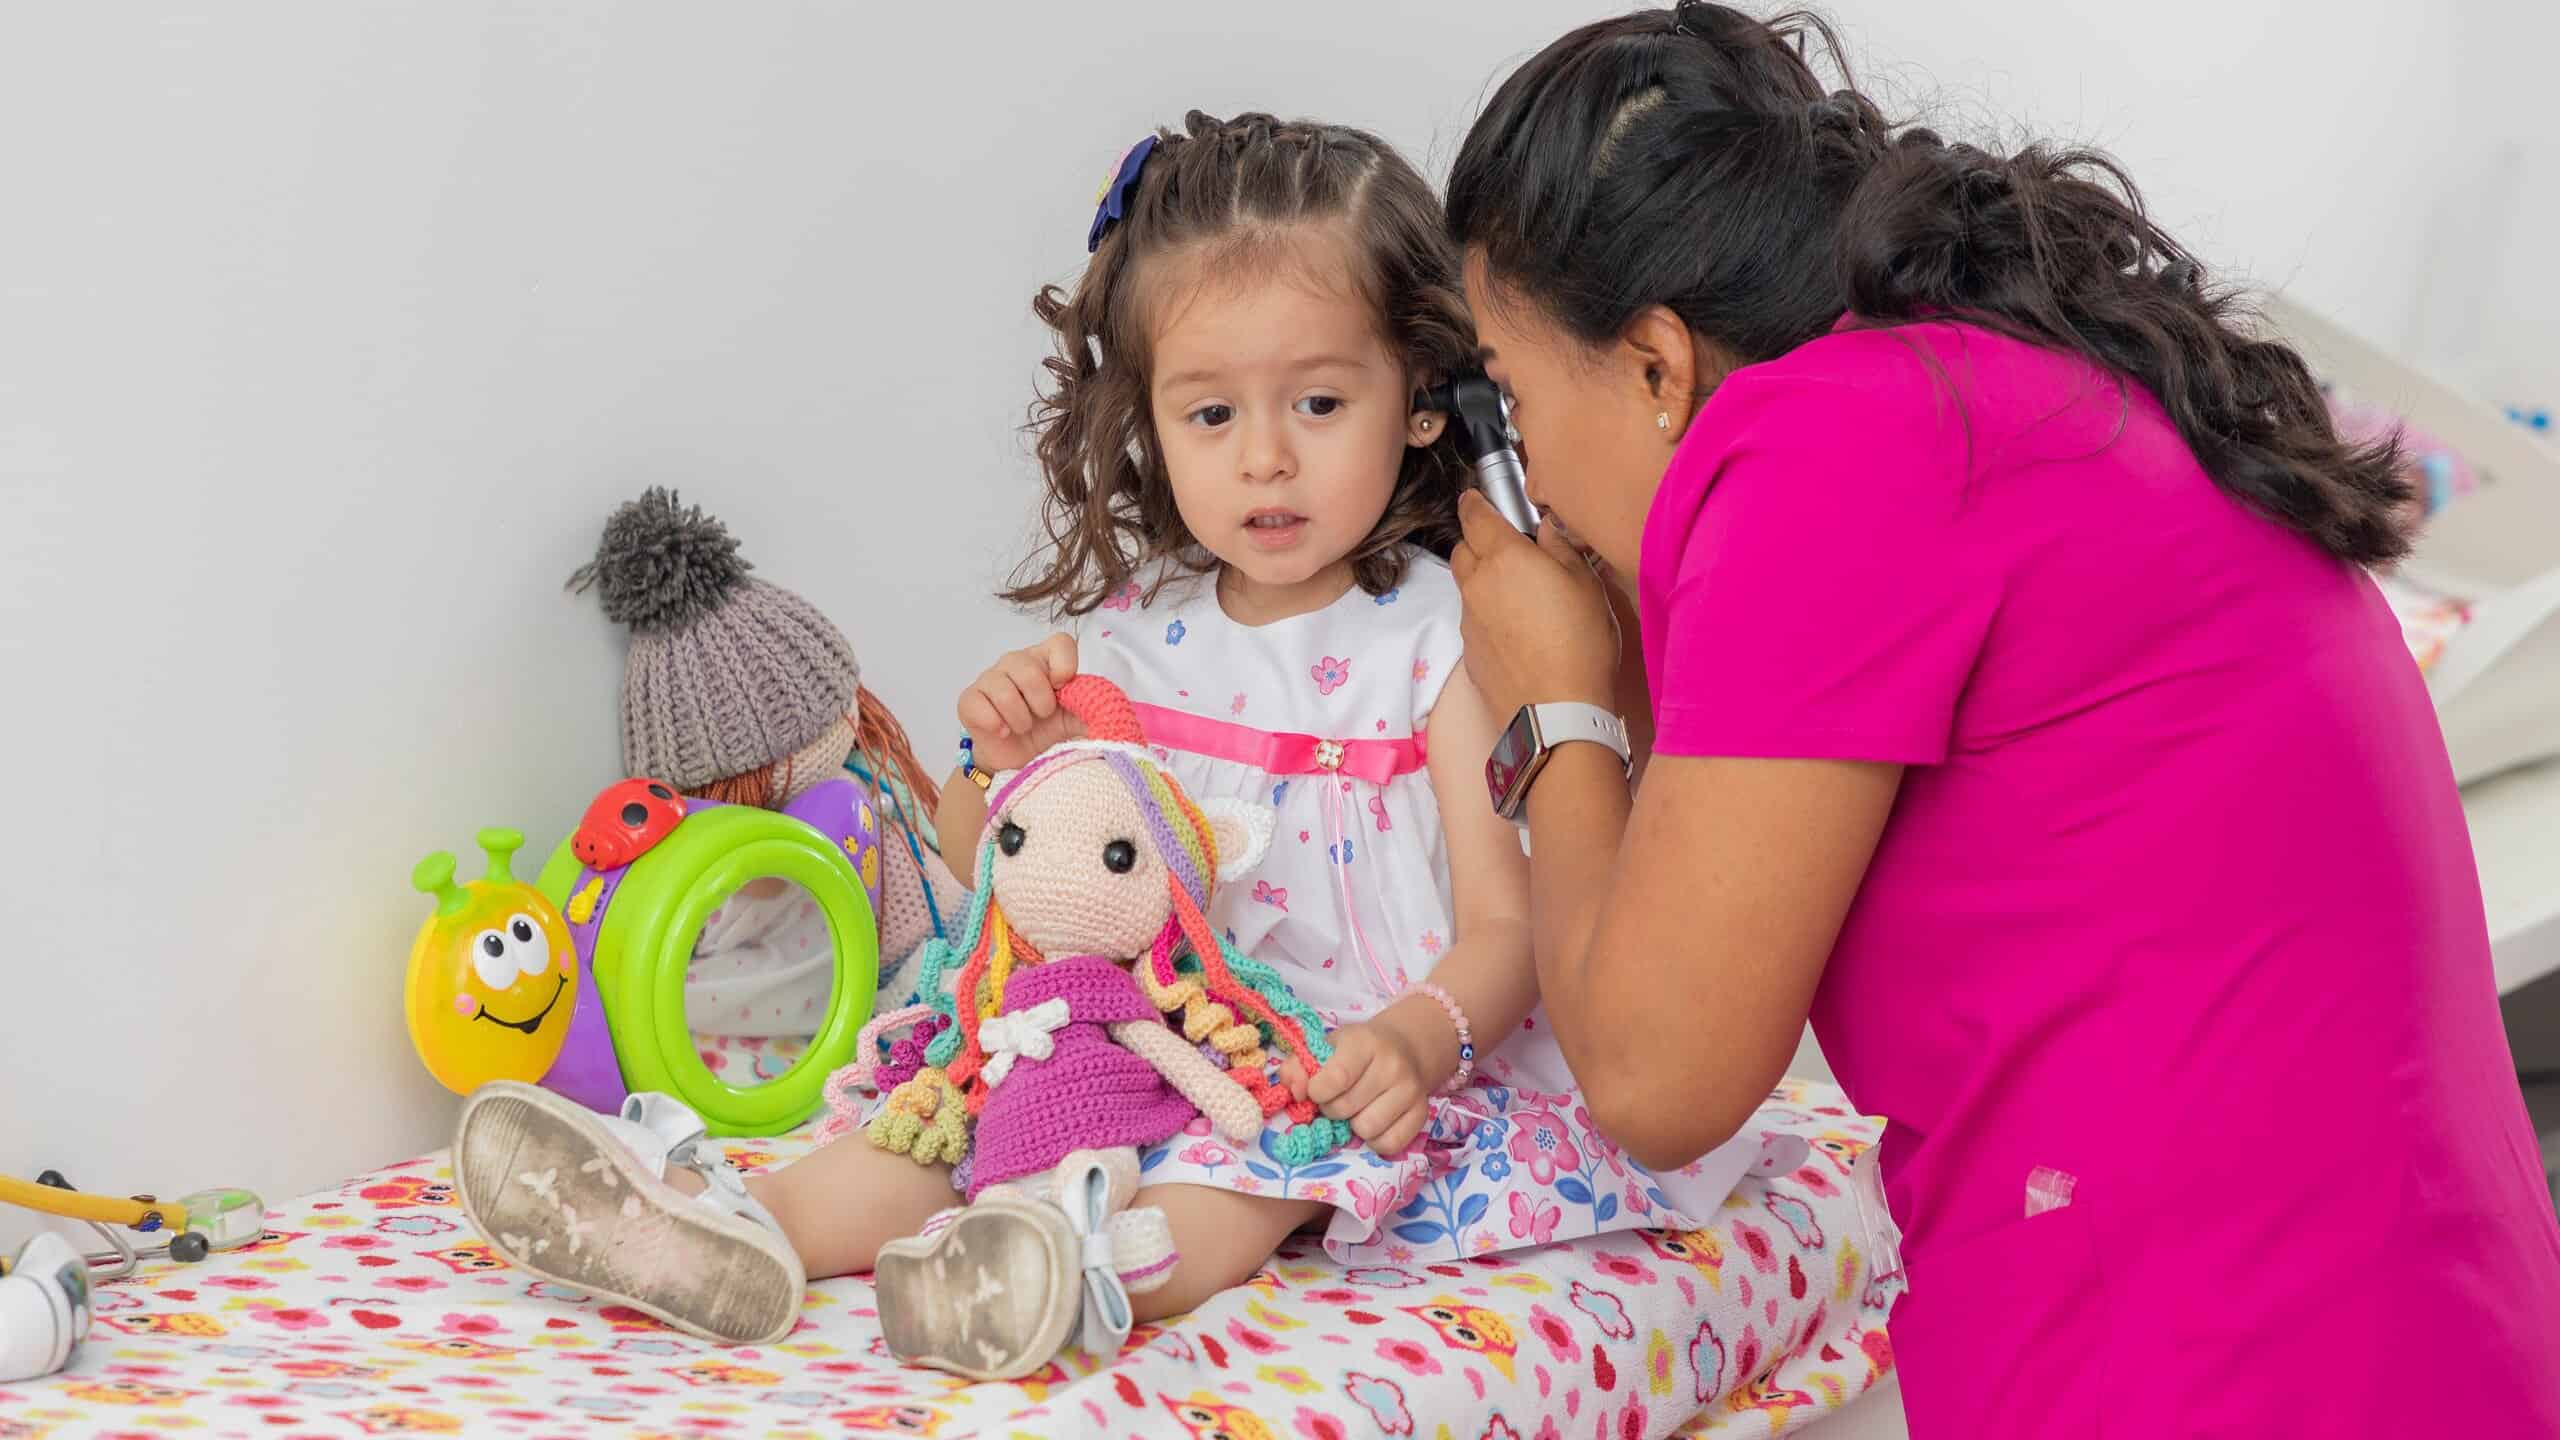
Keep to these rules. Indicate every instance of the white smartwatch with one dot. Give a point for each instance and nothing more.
(1533, 735)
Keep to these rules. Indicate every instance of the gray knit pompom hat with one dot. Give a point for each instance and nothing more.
(726, 674)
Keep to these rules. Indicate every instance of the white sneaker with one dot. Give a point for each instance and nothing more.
(44, 1308)
(581, 1199)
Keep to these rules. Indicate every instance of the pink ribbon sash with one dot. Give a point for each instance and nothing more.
(1376, 761)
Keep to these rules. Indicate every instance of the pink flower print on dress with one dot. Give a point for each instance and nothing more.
(1421, 671)
(1597, 1143)
(1122, 598)
(1540, 1141)
(1330, 674)
(1208, 1155)
(1266, 893)
(1378, 809)
(1236, 706)
(1431, 942)
(1531, 1220)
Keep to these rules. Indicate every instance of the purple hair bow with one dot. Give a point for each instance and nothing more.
(1112, 205)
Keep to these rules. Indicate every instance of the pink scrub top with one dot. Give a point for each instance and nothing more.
(2170, 972)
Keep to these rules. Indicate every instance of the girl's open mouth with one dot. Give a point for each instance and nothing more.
(1274, 529)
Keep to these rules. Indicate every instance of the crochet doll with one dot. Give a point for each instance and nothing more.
(1059, 1048)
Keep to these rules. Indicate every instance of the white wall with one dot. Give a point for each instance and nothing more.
(2490, 316)
(329, 332)
(2300, 144)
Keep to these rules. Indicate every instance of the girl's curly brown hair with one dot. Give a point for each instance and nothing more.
(1236, 191)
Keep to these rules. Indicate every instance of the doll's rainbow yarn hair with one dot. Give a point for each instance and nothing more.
(1222, 998)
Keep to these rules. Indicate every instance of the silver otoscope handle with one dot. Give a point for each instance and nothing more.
(1507, 485)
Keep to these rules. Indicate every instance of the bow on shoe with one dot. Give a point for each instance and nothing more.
(1084, 1192)
(1022, 1035)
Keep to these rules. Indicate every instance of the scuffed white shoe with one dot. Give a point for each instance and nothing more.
(581, 1200)
(989, 1292)
(995, 1291)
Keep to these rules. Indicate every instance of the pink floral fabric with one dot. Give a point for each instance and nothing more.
(371, 1310)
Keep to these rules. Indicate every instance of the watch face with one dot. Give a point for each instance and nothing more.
(1512, 753)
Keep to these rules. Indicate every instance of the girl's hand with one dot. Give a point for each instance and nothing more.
(1381, 1076)
(1537, 625)
(1011, 712)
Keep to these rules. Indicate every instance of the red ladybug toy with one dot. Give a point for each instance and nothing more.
(624, 821)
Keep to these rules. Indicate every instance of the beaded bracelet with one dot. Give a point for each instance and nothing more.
(969, 764)
(1466, 1038)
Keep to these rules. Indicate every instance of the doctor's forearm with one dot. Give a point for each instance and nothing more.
(1577, 813)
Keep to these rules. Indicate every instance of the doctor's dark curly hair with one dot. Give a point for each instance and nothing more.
(1691, 158)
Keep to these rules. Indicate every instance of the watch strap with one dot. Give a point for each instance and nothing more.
(1562, 721)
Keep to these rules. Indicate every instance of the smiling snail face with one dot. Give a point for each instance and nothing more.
(493, 977)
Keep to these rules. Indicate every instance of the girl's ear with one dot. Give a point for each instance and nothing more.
(1242, 830)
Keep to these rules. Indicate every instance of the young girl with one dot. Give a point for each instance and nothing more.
(1241, 508)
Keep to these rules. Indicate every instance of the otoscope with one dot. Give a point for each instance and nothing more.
(1480, 421)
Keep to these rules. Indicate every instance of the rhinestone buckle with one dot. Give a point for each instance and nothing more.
(1328, 754)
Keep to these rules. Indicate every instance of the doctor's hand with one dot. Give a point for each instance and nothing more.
(1537, 627)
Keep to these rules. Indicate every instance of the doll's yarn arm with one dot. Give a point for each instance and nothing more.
(1228, 1105)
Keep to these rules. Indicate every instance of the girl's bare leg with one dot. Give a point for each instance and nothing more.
(839, 1204)
(1223, 1237)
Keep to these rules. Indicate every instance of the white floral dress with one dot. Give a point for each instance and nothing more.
(1322, 717)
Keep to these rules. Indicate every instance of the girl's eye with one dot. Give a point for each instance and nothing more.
(1319, 406)
(1210, 417)
(1120, 857)
(1009, 839)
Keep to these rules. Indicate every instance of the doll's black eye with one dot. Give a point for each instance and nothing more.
(1009, 839)
(1120, 857)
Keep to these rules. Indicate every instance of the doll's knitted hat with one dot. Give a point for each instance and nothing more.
(726, 674)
